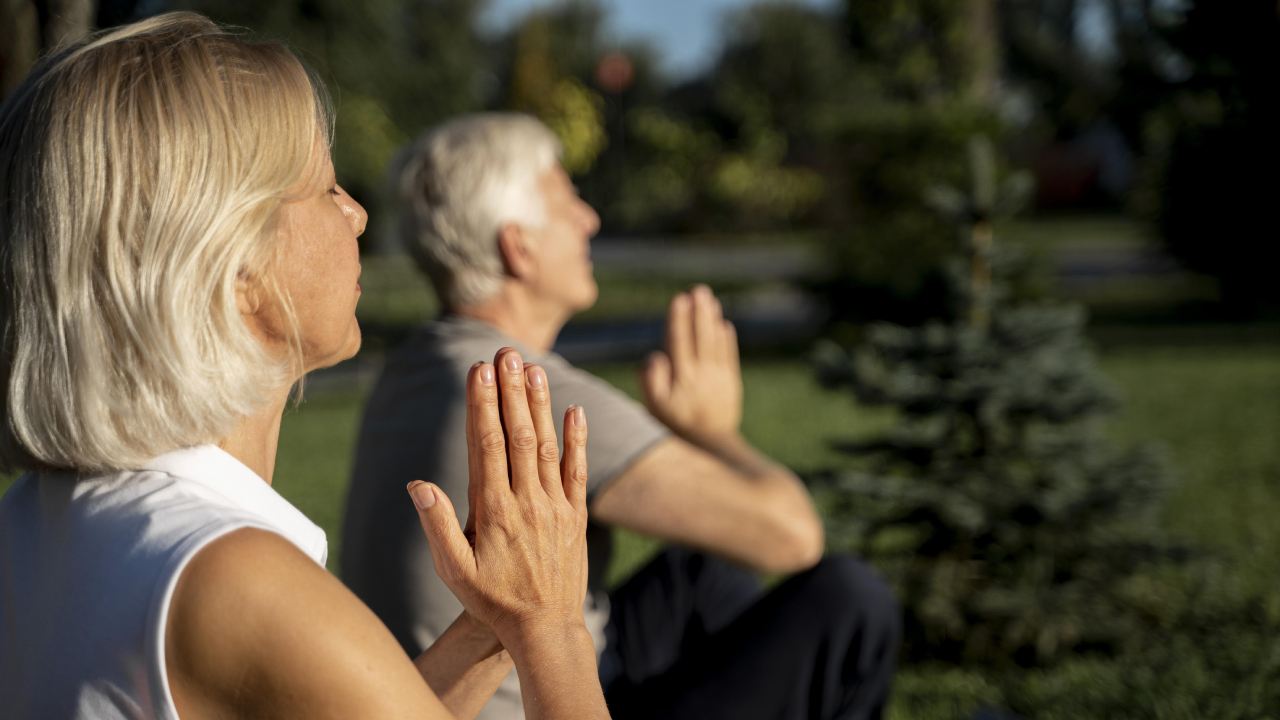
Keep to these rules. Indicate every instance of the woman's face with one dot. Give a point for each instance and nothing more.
(318, 268)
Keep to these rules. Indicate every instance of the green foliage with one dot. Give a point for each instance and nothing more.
(671, 157)
(393, 67)
(538, 86)
(365, 139)
(840, 123)
(1009, 523)
(576, 115)
(1027, 547)
(759, 184)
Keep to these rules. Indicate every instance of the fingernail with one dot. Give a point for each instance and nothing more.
(512, 361)
(579, 417)
(486, 374)
(536, 378)
(422, 495)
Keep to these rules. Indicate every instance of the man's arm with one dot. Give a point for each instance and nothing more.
(708, 487)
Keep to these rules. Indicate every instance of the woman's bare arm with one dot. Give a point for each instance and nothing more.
(464, 666)
(257, 630)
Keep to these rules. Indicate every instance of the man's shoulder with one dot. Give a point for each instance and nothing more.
(445, 345)
(564, 374)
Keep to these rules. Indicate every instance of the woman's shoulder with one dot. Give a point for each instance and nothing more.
(90, 562)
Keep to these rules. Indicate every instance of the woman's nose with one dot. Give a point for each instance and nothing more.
(355, 213)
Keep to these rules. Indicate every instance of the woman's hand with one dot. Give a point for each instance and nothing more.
(525, 569)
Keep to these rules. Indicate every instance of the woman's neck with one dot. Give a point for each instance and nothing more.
(255, 438)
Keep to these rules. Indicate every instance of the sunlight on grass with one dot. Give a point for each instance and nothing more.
(1216, 410)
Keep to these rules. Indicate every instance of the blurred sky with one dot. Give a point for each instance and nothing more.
(686, 33)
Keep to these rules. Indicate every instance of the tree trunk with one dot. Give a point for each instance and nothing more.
(984, 36)
(19, 42)
(23, 39)
(69, 20)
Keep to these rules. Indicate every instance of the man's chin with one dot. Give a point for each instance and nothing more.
(589, 299)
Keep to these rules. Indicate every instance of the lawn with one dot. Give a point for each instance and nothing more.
(1217, 411)
(1215, 408)
(1210, 395)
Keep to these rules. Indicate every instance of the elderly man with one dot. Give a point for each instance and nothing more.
(494, 221)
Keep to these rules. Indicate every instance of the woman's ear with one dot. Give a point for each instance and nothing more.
(516, 247)
(248, 294)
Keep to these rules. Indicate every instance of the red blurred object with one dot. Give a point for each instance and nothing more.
(615, 72)
(1064, 176)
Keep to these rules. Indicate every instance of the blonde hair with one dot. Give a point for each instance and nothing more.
(139, 172)
(458, 184)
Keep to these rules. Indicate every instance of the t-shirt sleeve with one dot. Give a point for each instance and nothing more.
(620, 430)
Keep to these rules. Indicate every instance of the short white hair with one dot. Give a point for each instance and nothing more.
(458, 184)
(139, 172)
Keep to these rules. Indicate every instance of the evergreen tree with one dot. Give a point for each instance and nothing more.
(1008, 522)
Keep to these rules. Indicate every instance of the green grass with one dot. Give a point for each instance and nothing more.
(313, 461)
(1216, 409)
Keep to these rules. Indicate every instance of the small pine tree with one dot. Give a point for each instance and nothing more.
(1007, 521)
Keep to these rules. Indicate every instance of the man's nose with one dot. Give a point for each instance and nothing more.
(590, 220)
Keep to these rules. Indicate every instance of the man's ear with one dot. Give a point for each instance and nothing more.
(516, 248)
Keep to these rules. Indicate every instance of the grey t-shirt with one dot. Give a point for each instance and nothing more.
(414, 429)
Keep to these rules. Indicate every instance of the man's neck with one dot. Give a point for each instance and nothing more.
(532, 323)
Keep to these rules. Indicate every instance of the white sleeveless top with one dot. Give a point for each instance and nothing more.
(87, 569)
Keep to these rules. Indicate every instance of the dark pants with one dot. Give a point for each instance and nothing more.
(693, 637)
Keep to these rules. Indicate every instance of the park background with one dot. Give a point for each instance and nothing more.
(821, 165)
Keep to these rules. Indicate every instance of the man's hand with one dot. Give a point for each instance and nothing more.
(695, 386)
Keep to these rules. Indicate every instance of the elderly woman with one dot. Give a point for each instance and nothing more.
(175, 255)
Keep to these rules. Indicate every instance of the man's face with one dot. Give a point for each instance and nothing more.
(562, 245)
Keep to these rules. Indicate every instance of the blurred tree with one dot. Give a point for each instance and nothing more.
(394, 67)
(574, 112)
(29, 28)
(1116, 71)
(1212, 149)
(670, 158)
(781, 67)
(924, 78)
(1010, 526)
